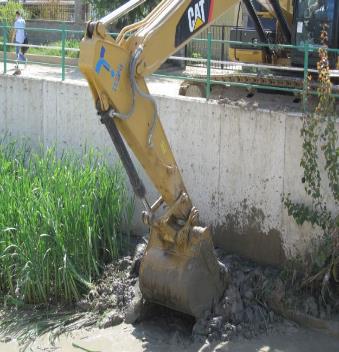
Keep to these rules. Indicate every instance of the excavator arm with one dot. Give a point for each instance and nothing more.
(179, 268)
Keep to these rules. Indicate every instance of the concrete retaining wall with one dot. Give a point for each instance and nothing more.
(236, 164)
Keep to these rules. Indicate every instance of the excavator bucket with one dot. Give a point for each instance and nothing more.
(185, 276)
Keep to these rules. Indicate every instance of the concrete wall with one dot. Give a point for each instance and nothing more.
(236, 164)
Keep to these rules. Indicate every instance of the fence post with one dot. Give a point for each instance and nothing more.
(209, 54)
(305, 88)
(63, 53)
(5, 49)
(223, 46)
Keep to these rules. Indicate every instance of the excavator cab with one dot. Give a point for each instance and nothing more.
(310, 16)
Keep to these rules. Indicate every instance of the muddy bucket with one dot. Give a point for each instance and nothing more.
(186, 277)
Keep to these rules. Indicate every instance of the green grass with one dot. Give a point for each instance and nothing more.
(8, 47)
(71, 43)
(60, 221)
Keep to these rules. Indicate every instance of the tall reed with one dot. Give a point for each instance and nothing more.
(60, 221)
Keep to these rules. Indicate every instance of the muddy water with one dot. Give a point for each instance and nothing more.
(149, 336)
(163, 330)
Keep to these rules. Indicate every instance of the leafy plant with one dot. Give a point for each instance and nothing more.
(103, 7)
(7, 12)
(196, 55)
(60, 222)
(320, 140)
(70, 43)
(9, 48)
(7, 18)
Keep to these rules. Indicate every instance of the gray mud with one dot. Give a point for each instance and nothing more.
(243, 312)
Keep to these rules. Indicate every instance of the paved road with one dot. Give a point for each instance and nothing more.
(170, 87)
(162, 86)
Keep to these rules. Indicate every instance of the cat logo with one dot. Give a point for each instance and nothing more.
(196, 15)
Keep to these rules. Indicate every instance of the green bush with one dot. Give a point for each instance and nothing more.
(60, 222)
(71, 43)
(9, 48)
(7, 12)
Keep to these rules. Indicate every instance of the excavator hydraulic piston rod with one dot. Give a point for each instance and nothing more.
(137, 184)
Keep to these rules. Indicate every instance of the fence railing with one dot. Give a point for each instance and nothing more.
(199, 48)
(208, 78)
(62, 49)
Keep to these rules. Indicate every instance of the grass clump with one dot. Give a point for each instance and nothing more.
(70, 43)
(60, 221)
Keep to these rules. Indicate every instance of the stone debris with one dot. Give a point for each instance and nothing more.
(139, 252)
(135, 309)
(111, 319)
(242, 310)
(113, 292)
(6, 339)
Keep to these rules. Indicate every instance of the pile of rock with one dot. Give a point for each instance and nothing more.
(242, 310)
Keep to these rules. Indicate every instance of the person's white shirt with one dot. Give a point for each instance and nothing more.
(19, 26)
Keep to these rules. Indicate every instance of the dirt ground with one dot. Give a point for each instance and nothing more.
(163, 330)
(156, 336)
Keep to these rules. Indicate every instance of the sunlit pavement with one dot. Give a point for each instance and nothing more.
(161, 86)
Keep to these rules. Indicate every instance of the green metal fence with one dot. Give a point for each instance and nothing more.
(207, 78)
(197, 48)
(7, 45)
(304, 71)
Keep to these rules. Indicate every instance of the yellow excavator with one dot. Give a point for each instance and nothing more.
(179, 268)
(286, 22)
(269, 22)
(296, 22)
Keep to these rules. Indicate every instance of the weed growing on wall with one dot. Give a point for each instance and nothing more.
(320, 141)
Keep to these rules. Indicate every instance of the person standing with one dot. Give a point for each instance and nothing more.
(19, 35)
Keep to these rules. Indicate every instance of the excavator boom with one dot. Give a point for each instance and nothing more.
(179, 268)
